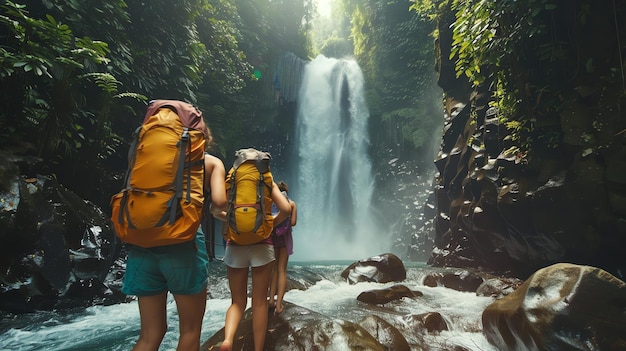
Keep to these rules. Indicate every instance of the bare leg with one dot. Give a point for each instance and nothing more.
(281, 273)
(190, 312)
(260, 283)
(238, 283)
(274, 281)
(153, 322)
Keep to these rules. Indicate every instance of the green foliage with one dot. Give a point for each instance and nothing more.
(32, 45)
(538, 58)
(44, 58)
(424, 6)
(75, 74)
(394, 47)
(473, 32)
(488, 34)
(47, 90)
(515, 47)
(336, 47)
(330, 33)
(415, 127)
(227, 70)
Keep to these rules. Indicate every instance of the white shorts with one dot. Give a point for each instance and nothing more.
(244, 256)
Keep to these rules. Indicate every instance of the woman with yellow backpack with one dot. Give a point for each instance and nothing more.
(251, 191)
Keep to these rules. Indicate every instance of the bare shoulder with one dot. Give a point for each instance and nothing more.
(210, 162)
(211, 158)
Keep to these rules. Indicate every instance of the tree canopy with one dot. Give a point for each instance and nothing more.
(75, 75)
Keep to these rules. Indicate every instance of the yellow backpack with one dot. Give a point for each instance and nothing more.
(161, 203)
(249, 187)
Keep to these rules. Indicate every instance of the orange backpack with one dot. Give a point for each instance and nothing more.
(161, 203)
(249, 186)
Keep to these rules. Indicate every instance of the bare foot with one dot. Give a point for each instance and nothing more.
(226, 345)
(271, 304)
(279, 308)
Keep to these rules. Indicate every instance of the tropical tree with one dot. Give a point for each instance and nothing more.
(394, 47)
(46, 72)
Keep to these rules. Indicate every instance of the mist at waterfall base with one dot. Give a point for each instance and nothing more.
(333, 181)
(116, 327)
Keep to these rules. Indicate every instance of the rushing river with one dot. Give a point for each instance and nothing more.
(117, 327)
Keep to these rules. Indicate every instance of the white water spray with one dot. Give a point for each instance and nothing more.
(334, 175)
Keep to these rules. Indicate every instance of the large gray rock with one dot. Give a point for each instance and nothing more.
(561, 307)
(383, 268)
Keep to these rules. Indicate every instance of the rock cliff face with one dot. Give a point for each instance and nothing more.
(511, 212)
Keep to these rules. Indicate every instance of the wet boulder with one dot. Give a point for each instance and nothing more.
(298, 328)
(498, 287)
(561, 307)
(460, 280)
(302, 279)
(432, 322)
(57, 249)
(383, 268)
(382, 296)
(386, 334)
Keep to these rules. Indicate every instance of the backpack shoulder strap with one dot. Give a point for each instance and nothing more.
(230, 211)
(132, 153)
(207, 220)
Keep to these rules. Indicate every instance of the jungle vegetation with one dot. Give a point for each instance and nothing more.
(75, 75)
(537, 60)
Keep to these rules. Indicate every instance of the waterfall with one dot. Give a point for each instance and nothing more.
(334, 181)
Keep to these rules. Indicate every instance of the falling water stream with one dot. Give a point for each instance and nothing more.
(334, 174)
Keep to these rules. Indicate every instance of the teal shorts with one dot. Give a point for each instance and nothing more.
(180, 269)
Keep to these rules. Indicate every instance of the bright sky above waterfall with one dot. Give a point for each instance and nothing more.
(323, 7)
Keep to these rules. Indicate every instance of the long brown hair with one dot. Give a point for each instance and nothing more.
(283, 187)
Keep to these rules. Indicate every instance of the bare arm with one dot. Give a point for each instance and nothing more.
(215, 175)
(282, 203)
(294, 213)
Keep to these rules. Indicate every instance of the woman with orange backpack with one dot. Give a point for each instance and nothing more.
(177, 264)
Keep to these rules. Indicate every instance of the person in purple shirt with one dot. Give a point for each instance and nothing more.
(283, 248)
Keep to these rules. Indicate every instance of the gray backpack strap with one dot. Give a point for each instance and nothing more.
(178, 181)
(132, 153)
(259, 199)
(230, 212)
